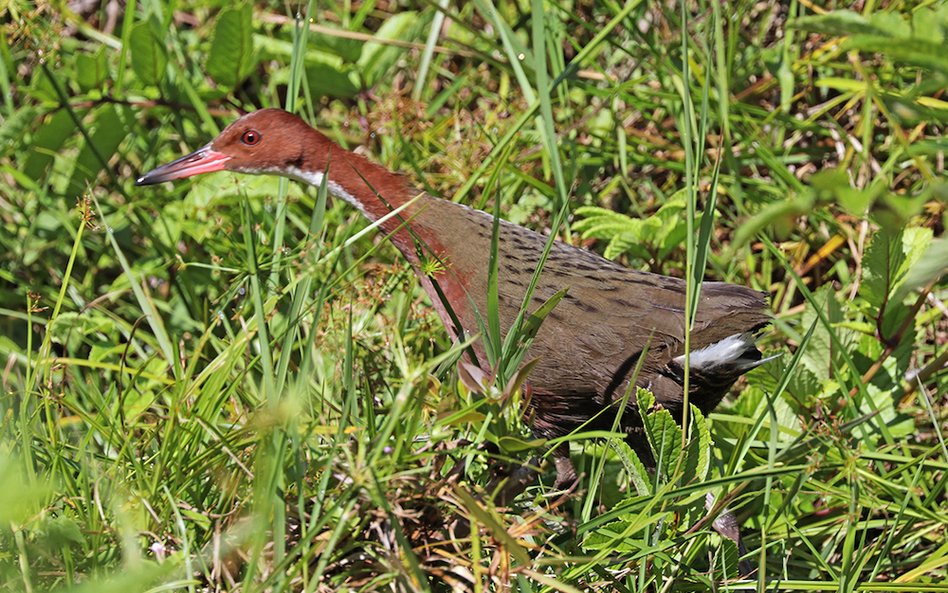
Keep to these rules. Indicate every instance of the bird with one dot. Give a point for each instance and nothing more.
(615, 328)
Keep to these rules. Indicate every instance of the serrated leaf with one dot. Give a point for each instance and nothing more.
(930, 266)
(889, 259)
(662, 432)
(620, 244)
(698, 459)
(817, 357)
(148, 54)
(773, 214)
(232, 57)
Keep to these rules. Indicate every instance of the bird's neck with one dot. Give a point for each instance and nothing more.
(374, 190)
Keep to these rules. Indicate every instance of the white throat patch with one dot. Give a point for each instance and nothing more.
(315, 178)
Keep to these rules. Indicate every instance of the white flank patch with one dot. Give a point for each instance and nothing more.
(728, 351)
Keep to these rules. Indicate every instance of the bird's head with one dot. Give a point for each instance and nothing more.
(267, 141)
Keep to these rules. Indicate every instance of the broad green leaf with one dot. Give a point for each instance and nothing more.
(819, 353)
(232, 57)
(512, 444)
(884, 388)
(698, 459)
(347, 49)
(929, 266)
(107, 133)
(836, 23)
(326, 74)
(148, 53)
(916, 52)
(891, 23)
(663, 433)
(886, 265)
(19, 498)
(926, 26)
(833, 185)
(378, 58)
(46, 143)
(56, 533)
(207, 191)
(91, 69)
(325, 78)
(617, 536)
(779, 214)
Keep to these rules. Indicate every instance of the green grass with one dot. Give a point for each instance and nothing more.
(227, 385)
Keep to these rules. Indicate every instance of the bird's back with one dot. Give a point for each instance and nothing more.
(611, 316)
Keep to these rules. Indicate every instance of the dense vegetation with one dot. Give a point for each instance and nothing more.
(222, 385)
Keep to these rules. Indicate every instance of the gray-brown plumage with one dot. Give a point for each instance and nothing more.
(589, 344)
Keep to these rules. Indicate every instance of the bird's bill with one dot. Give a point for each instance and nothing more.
(202, 160)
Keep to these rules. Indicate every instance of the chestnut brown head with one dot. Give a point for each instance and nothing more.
(267, 141)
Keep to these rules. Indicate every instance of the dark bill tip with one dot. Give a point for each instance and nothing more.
(202, 160)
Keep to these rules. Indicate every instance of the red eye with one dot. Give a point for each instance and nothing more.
(250, 137)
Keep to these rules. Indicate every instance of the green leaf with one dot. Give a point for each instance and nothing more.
(779, 214)
(56, 533)
(884, 265)
(19, 498)
(928, 267)
(348, 49)
(91, 69)
(107, 134)
(232, 58)
(818, 357)
(378, 58)
(837, 23)
(15, 127)
(663, 433)
(532, 324)
(327, 74)
(916, 52)
(890, 23)
(46, 143)
(148, 53)
(889, 259)
(331, 78)
(698, 459)
(623, 232)
(512, 444)
(926, 25)
(617, 536)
